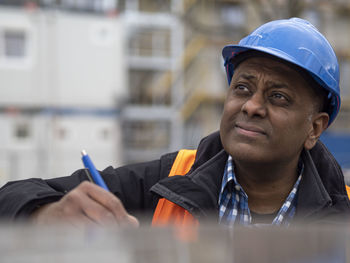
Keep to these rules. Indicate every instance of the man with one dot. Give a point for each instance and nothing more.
(265, 166)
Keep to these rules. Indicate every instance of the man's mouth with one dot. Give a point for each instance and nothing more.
(249, 130)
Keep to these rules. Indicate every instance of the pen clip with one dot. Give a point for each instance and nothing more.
(88, 175)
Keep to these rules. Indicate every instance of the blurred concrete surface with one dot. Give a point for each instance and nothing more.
(211, 243)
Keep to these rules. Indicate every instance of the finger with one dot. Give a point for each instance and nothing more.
(111, 202)
(105, 198)
(97, 212)
(72, 214)
(60, 213)
(80, 202)
(79, 221)
(133, 221)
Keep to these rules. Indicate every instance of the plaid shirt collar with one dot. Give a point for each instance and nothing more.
(233, 201)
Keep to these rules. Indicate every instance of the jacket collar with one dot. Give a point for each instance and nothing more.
(312, 195)
(198, 192)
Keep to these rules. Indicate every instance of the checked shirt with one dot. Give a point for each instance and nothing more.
(233, 201)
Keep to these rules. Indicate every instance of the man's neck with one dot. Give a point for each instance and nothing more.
(267, 186)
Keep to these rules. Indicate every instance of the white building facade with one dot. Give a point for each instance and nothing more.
(62, 81)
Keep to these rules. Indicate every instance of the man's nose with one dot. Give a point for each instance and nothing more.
(255, 106)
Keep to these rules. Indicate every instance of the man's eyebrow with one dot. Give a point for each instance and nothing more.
(272, 83)
(277, 84)
(246, 76)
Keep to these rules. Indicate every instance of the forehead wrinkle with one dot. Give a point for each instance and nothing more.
(275, 72)
(269, 64)
(260, 65)
(272, 83)
(248, 76)
(278, 73)
(277, 84)
(245, 75)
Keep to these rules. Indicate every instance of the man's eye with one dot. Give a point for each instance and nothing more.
(279, 98)
(241, 89)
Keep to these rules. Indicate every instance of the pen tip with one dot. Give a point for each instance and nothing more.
(83, 152)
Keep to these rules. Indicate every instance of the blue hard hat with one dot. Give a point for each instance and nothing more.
(298, 42)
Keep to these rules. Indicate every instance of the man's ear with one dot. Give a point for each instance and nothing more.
(319, 124)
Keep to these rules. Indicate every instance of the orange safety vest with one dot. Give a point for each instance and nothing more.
(169, 213)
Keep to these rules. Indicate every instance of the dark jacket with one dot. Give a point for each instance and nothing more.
(321, 195)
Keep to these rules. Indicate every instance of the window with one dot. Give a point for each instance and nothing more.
(14, 43)
(16, 47)
(22, 131)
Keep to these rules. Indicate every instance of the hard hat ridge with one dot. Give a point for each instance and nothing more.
(298, 42)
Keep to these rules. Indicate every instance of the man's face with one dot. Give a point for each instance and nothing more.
(269, 113)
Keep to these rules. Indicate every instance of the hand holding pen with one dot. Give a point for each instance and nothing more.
(88, 203)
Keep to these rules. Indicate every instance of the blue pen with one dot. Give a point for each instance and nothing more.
(94, 173)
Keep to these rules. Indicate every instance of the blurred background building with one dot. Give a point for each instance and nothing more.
(130, 80)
